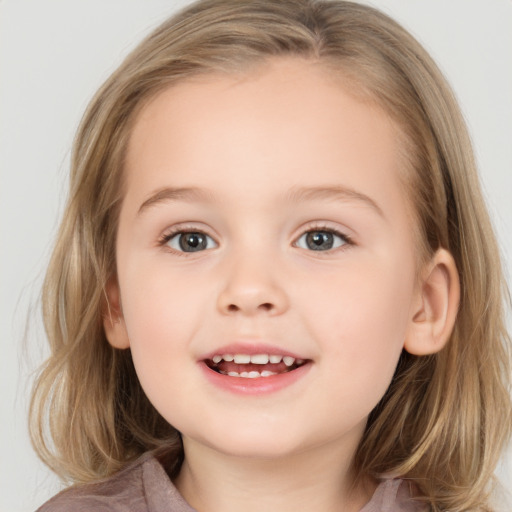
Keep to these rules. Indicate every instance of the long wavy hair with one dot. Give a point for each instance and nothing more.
(446, 417)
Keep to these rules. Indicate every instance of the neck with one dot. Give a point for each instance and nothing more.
(319, 479)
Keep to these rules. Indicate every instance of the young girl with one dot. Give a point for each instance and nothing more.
(275, 286)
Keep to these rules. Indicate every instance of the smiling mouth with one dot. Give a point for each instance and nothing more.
(253, 366)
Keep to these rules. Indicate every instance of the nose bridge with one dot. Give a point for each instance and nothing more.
(251, 283)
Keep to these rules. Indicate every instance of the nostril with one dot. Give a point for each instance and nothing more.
(266, 306)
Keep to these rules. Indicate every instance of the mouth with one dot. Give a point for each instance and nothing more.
(253, 366)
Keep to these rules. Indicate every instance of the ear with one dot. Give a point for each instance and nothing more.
(436, 304)
(113, 320)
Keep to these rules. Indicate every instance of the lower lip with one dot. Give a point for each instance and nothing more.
(256, 386)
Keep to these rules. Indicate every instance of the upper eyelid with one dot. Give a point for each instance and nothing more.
(199, 227)
(324, 226)
(187, 228)
(173, 234)
(346, 238)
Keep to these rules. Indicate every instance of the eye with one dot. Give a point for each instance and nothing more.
(321, 240)
(190, 241)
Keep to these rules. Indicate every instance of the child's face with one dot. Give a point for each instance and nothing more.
(264, 215)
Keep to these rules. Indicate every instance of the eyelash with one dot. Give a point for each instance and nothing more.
(320, 228)
(167, 236)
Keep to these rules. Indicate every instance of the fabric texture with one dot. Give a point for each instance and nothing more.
(145, 487)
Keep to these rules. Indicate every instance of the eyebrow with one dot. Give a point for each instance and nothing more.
(333, 192)
(174, 194)
(295, 195)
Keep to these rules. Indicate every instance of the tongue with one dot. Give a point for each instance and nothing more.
(226, 366)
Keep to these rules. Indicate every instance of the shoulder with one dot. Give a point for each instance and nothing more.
(396, 495)
(140, 487)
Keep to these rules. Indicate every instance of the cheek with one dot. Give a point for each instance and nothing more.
(161, 320)
(158, 301)
(162, 313)
(361, 316)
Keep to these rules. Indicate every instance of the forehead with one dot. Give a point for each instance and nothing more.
(290, 119)
(287, 103)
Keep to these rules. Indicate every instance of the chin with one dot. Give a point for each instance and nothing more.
(251, 444)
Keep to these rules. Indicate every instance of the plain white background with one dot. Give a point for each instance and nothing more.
(54, 54)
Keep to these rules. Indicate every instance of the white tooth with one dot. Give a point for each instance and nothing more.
(233, 374)
(254, 375)
(275, 359)
(266, 373)
(242, 359)
(244, 374)
(300, 361)
(288, 361)
(222, 372)
(217, 359)
(228, 357)
(259, 359)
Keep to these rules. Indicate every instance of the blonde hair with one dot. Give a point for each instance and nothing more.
(445, 418)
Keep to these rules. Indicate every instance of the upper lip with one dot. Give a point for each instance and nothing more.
(251, 349)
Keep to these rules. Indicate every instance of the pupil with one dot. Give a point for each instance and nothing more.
(192, 242)
(319, 240)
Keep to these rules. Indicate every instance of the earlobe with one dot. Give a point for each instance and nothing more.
(113, 320)
(435, 311)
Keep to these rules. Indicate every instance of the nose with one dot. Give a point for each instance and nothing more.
(252, 287)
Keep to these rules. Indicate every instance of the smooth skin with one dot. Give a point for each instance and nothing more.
(255, 163)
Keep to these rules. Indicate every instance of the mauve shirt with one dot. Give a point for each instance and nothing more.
(145, 487)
